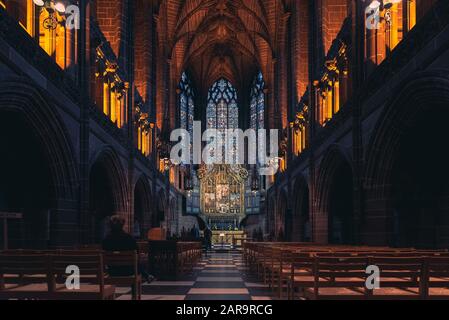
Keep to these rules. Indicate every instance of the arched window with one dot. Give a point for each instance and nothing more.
(257, 106)
(222, 109)
(186, 105)
(222, 112)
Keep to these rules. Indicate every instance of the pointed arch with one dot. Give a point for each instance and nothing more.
(406, 174)
(38, 170)
(335, 221)
(301, 222)
(143, 206)
(22, 97)
(108, 192)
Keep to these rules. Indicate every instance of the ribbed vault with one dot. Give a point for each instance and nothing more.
(220, 38)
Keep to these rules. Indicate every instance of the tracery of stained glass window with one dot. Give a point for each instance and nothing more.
(257, 105)
(222, 111)
(186, 104)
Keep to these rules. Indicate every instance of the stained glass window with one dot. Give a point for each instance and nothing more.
(186, 105)
(257, 105)
(222, 111)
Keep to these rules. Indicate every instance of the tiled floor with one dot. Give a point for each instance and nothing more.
(220, 276)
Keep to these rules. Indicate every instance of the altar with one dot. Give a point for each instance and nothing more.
(222, 201)
(228, 239)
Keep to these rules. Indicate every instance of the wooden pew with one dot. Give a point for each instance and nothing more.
(54, 267)
(300, 275)
(24, 267)
(124, 260)
(170, 259)
(338, 279)
(401, 268)
(401, 278)
(92, 278)
(436, 284)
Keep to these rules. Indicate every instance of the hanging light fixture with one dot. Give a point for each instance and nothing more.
(51, 6)
(60, 7)
(39, 3)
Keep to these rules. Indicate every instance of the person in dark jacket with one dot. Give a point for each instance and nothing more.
(119, 240)
(208, 238)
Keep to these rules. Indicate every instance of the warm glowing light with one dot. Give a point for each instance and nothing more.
(411, 14)
(374, 5)
(60, 7)
(39, 3)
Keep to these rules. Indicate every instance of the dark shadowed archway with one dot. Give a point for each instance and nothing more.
(336, 220)
(37, 170)
(271, 218)
(420, 184)
(283, 217)
(107, 193)
(25, 182)
(142, 208)
(159, 217)
(341, 211)
(301, 224)
(408, 175)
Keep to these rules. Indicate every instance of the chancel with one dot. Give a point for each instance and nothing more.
(340, 178)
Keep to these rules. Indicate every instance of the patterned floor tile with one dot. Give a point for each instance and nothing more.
(219, 291)
(146, 297)
(165, 290)
(171, 283)
(219, 279)
(254, 298)
(218, 297)
(225, 284)
(219, 276)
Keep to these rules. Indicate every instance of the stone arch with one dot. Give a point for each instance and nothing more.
(301, 220)
(406, 175)
(39, 171)
(283, 215)
(108, 192)
(161, 208)
(271, 217)
(142, 207)
(335, 220)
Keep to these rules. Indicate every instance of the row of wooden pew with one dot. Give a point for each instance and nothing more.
(42, 274)
(171, 259)
(311, 271)
(39, 275)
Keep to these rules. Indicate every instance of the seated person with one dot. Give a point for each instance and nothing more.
(119, 240)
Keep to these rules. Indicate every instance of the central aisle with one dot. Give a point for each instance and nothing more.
(220, 276)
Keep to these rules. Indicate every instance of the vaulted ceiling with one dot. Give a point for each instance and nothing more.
(220, 38)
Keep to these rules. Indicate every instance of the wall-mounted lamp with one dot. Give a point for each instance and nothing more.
(167, 164)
